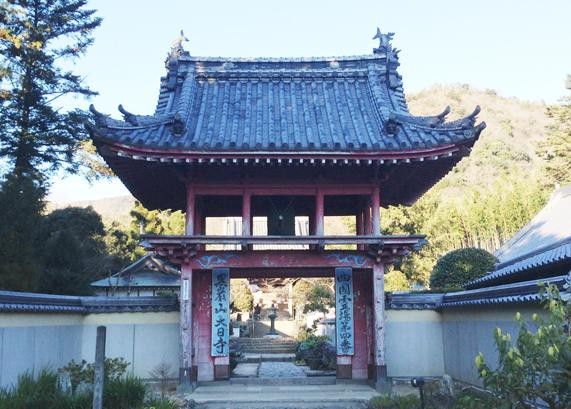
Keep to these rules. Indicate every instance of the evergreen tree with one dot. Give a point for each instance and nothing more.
(36, 38)
(73, 252)
(21, 207)
(556, 149)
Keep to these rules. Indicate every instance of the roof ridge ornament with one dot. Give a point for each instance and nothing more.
(177, 49)
(385, 46)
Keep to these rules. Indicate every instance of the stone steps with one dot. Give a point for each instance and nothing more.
(288, 395)
(253, 357)
(265, 345)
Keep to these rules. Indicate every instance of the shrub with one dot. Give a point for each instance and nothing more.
(538, 366)
(124, 393)
(317, 352)
(394, 402)
(41, 392)
(82, 371)
(458, 267)
(44, 392)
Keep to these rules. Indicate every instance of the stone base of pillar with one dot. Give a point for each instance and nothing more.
(221, 368)
(344, 367)
(186, 384)
(382, 383)
(221, 372)
(345, 371)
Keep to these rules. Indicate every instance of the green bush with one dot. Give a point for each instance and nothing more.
(455, 269)
(43, 392)
(317, 352)
(394, 402)
(124, 393)
(537, 367)
(32, 392)
(115, 368)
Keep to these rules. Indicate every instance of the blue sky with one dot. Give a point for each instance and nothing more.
(519, 48)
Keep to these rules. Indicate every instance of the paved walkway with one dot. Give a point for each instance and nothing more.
(280, 370)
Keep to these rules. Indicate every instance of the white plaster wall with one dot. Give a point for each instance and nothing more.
(30, 342)
(468, 331)
(414, 344)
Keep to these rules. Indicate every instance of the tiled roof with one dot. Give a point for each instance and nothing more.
(414, 301)
(516, 293)
(336, 104)
(32, 302)
(541, 247)
(148, 271)
(560, 254)
(520, 292)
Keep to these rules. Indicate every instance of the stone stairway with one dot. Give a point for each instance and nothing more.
(264, 346)
(223, 395)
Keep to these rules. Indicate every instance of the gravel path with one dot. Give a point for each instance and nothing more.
(280, 370)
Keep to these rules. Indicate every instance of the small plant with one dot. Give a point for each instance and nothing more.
(163, 373)
(82, 371)
(317, 352)
(160, 404)
(538, 366)
(394, 402)
(124, 393)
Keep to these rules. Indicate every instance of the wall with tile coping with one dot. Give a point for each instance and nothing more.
(32, 341)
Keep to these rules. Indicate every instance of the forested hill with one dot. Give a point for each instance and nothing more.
(488, 197)
(507, 145)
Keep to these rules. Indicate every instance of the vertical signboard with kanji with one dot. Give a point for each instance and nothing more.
(220, 311)
(344, 310)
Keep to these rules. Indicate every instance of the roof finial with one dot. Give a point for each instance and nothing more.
(177, 49)
(384, 42)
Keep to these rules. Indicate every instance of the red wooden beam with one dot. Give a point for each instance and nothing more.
(263, 260)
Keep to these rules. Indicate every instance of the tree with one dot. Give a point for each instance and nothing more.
(319, 299)
(556, 149)
(460, 266)
(21, 207)
(538, 366)
(37, 39)
(123, 242)
(241, 297)
(73, 251)
(395, 280)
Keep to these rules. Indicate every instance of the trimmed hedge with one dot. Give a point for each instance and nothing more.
(455, 269)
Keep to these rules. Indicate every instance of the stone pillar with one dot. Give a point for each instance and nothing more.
(185, 373)
(190, 204)
(380, 369)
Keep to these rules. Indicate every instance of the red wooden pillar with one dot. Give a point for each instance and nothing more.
(368, 228)
(246, 214)
(185, 373)
(190, 210)
(380, 371)
(376, 211)
(319, 212)
(360, 227)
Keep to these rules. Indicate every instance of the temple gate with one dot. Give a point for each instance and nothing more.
(281, 138)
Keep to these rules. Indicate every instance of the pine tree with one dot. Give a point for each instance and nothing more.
(37, 37)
